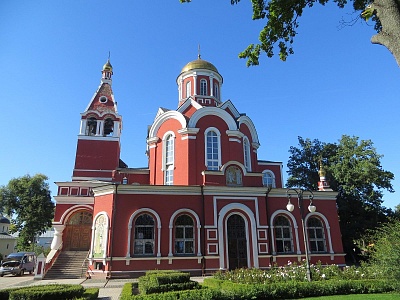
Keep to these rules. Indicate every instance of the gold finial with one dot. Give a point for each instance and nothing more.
(321, 171)
(198, 52)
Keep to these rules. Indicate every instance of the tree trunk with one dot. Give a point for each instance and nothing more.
(389, 15)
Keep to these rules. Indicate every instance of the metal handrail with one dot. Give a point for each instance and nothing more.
(83, 264)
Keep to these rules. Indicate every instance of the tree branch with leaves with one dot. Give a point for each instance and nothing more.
(282, 21)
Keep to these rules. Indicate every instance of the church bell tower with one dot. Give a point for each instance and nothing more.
(98, 148)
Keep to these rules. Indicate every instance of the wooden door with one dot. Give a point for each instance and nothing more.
(78, 232)
(237, 243)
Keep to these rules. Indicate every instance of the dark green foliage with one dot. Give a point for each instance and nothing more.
(294, 290)
(384, 250)
(200, 294)
(126, 292)
(91, 294)
(27, 200)
(48, 292)
(158, 282)
(353, 169)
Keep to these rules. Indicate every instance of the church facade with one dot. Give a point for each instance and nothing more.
(204, 203)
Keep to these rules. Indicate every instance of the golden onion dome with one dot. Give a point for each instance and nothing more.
(199, 64)
(107, 66)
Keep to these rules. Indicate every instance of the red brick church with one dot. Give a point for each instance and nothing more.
(204, 203)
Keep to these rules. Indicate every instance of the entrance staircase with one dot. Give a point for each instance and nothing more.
(69, 265)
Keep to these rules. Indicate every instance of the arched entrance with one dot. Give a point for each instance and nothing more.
(237, 242)
(78, 231)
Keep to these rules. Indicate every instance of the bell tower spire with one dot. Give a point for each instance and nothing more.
(98, 149)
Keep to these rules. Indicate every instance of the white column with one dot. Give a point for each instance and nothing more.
(116, 130)
(57, 239)
(82, 130)
(100, 127)
(211, 85)
(195, 85)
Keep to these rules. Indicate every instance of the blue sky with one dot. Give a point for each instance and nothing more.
(52, 53)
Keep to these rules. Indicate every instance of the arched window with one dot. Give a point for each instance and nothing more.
(188, 89)
(91, 126)
(108, 127)
(184, 235)
(144, 235)
(246, 151)
(203, 87)
(283, 235)
(216, 91)
(169, 159)
(213, 151)
(268, 179)
(316, 235)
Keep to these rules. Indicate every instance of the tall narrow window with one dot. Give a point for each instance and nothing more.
(184, 235)
(144, 235)
(169, 160)
(316, 235)
(246, 150)
(283, 235)
(269, 179)
(188, 89)
(203, 87)
(213, 151)
(216, 91)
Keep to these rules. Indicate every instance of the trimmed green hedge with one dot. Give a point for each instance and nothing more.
(91, 294)
(48, 292)
(164, 282)
(294, 289)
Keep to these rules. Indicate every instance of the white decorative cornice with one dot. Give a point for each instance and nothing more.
(235, 133)
(153, 140)
(185, 131)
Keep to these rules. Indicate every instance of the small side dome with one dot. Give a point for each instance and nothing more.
(107, 66)
(199, 64)
(4, 220)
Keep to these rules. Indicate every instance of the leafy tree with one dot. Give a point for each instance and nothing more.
(282, 21)
(353, 169)
(27, 200)
(384, 249)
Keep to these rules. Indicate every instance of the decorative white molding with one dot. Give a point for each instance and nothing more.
(130, 225)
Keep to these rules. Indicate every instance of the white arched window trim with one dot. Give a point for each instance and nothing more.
(168, 163)
(242, 210)
(188, 89)
(294, 224)
(171, 228)
(327, 227)
(130, 225)
(203, 87)
(272, 177)
(103, 213)
(206, 160)
(246, 154)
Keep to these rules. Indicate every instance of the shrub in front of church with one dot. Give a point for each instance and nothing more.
(295, 289)
(160, 282)
(297, 272)
(48, 292)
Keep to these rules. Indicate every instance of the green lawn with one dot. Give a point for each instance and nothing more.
(359, 296)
